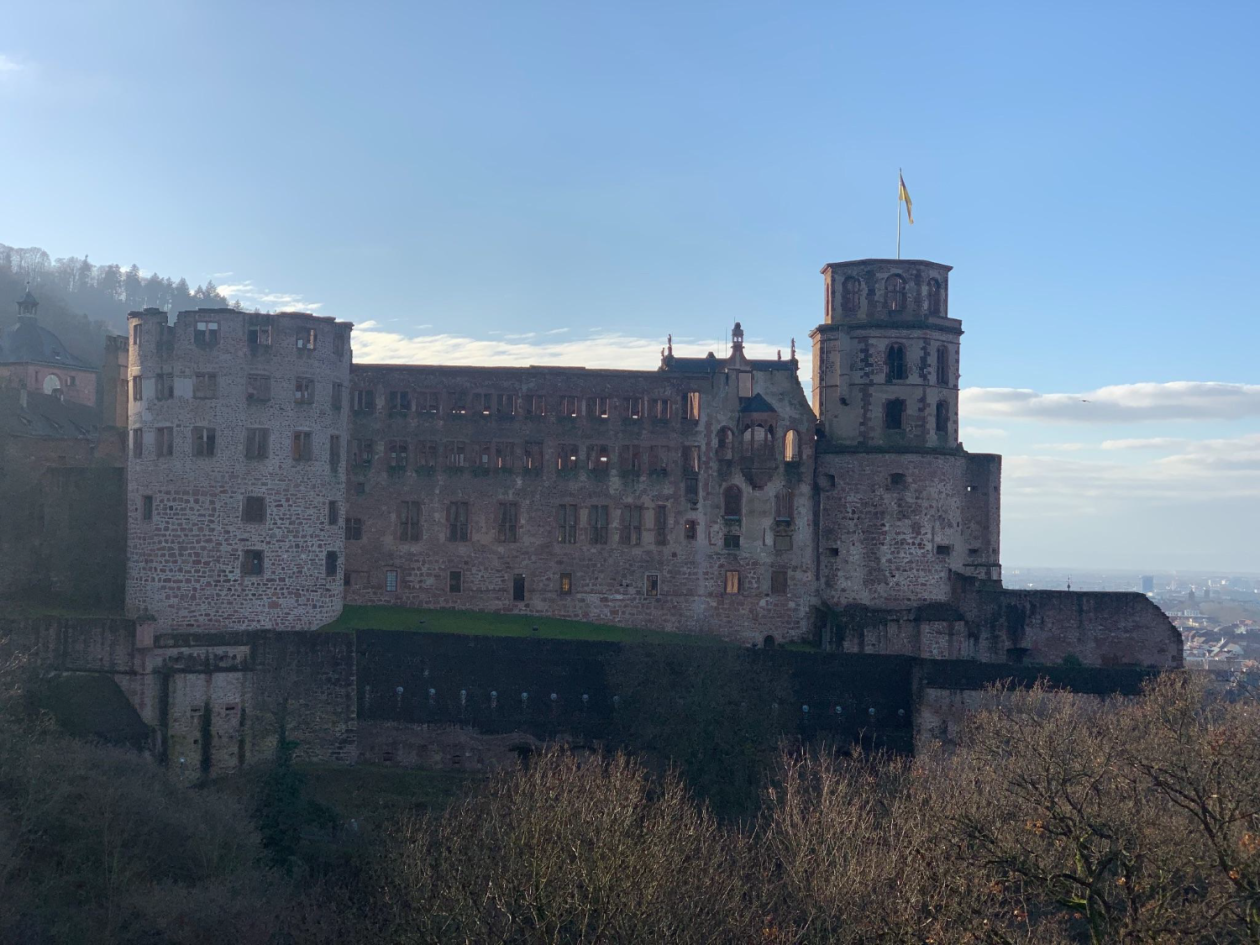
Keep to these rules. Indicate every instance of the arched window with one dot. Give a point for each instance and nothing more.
(732, 502)
(850, 294)
(783, 505)
(726, 443)
(792, 447)
(934, 296)
(896, 363)
(942, 367)
(942, 417)
(895, 293)
(894, 414)
(758, 441)
(52, 384)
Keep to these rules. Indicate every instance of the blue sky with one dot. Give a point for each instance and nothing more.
(571, 181)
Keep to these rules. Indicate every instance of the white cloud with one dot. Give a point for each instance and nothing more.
(1176, 400)
(990, 432)
(9, 64)
(251, 296)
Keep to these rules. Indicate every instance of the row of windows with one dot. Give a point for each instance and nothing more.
(253, 510)
(205, 444)
(259, 332)
(493, 404)
(852, 289)
(732, 582)
(205, 386)
(252, 563)
(895, 415)
(895, 365)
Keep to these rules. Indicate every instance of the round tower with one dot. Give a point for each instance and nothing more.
(235, 474)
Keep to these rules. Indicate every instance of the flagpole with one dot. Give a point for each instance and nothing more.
(898, 213)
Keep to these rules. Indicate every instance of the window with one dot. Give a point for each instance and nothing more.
(303, 390)
(658, 459)
(363, 400)
(482, 404)
(482, 454)
(652, 585)
(137, 389)
(203, 441)
(532, 457)
(894, 414)
(730, 542)
(778, 582)
(691, 489)
(360, 488)
(895, 293)
(251, 561)
(597, 524)
(505, 405)
(691, 459)
(146, 507)
(691, 405)
(942, 367)
(895, 364)
(428, 401)
(691, 528)
(302, 445)
(942, 417)
(397, 452)
(391, 581)
(206, 333)
(361, 453)
(568, 406)
(456, 454)
(507, 521)
(934, 296)
(426, 454)
(354, 529)
(791, 447)
(566, 582)
(783, 542)
(305, 339)
(732, 502)
(759, 441)
(726, 443)
(137, 443)
(135, 334)
(518, 587)
(567, 456)
(597, 457)
(660, 525)
(455, 582)
(334, 451)
(504, 455)
(257, 387)
(534, 405)
(334, 510)
(944, 550)
(330, 564)
(659, 408)
(257, 443)
(634, 408)
(597, 408)
(850, 294)
(400, 401)
(458, 401)
(254, 509)
(745, 383)
(258, 333)
(163, 386)
(631, 525)
(339, 342)
(408, 521)
(457, 521)
(566, 524)
(732, 582)
(897, 481)
(783, 505)
(629, 458)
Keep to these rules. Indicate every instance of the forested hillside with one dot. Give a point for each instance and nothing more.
(82, 303)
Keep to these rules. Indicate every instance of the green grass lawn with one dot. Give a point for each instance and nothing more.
(473, 623)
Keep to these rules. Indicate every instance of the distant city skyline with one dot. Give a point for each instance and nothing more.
(566, 184)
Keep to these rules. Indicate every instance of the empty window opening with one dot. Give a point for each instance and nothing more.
(164, 441)
(147, 508)
(778, 582)
(897, 481)
(205, 386)
(566, 524)
(895, 363)
(457, 521)
(258, 333)
(944, 550)
(255, 509)
(303, 445)
(334, 512)
(726, 443)
(934, 296)
(652, 585)
(508, 517)
(257, 442)
(631, 525)
(303, 390)
(730, 542)
(409, 521)
(691, 528)
(257, 387)
(518, 587)
(400, 401)
(791, 447)
(597, 524)
(330, 564)
(455, 582)
(894, 414)
(354, 529)
(833, 552)
(203, 441)
(305, 339)
(942, 417)
(691, 405)
(251, 561)
(732, 502)
(206, 333)
(660, 525)
(942, 367)
(895, 293)
(597, 408)
(732, 582)
(363, 401)
(850, 294)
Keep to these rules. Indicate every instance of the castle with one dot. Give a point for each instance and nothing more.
(269, 479)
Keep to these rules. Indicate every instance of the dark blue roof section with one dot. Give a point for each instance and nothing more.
(757, 404)
(28, 342)
(44, 415)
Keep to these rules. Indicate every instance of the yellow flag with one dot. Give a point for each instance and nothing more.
(903, 194)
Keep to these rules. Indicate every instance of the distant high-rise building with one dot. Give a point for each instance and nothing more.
(1148, 584)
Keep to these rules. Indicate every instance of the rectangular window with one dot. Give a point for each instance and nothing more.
(631, 525)
(203, 441)
(782, 542)
(334, 451)
(658, 461)
(482, 404)
(428, 401)
(730, 542)
(137, 444)
(455, 582)
(634, 408)
(691, 405)
(732, 582)
(252, 561)
(459, 403)
(691, 490)
(426, 454)
(532, 457)
(566, 524)
(259, 332)
(691, 459)
(566, 582)
(408, 521)
(518, 587)
(363, 400)
(147, 508)
(629, 458)
(303, 449)
(456, 454)
(534, 405)
(505, 405)
(745, 384)
(334, 512)
(391, 581)
(482, 455)
(660, 525)
(597, 524)
(361, 453)
(137, 389)
(783, 504)
(397, 452)
(568, 406)
(135, 334)
(254, 509)
(567, 456)
(597, 408)
(504, 455)
(507, 521)
(944, 550)
(257, 443)
(257, 387)
(339, 342)
(305, 339)
(597, 457)
(303, 390)
(400, 401)
(164, 442)
(660, 408)
(691, 528)
(206, 333)
(330, 564)
(778, 582)
(338, 391)
(457, 521)
(163, 387)
(652, 585)
(354, 529)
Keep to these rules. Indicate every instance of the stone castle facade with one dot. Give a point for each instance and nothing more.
(270, 479)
